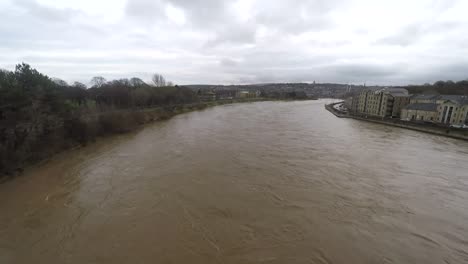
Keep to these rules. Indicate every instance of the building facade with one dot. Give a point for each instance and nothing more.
(426, 112)
(386, 102)
(451, 110)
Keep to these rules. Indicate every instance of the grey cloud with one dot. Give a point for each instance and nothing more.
(451, 71)
(45, 12)
(38, 26)
(215, 16)
(233, 34)
(203, 12)
(296, 16)
(413, 33)
(198, 12)
(366, 71)
(145, 9)
(404, 38)
(226, 62)
(270, 41)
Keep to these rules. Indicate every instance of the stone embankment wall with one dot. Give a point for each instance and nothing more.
(427, 128)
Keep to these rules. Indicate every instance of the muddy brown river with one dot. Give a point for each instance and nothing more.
(267, 182)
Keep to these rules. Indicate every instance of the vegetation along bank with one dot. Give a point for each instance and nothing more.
(40, 116)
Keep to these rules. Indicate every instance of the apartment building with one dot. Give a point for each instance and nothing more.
(386, 102)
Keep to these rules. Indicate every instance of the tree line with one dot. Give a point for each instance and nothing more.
(25, 91)
(40, 116)
(441, 87)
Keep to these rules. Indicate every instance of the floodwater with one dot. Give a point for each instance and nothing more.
(267, 182)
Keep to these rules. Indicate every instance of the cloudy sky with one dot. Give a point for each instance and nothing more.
(239, 41)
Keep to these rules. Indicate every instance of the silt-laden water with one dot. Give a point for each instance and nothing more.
(267, 182)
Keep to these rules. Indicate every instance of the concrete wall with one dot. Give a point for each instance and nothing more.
(441, 131)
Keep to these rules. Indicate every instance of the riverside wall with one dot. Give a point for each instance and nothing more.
(426, 128)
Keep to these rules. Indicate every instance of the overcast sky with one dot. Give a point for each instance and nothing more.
(243, 41)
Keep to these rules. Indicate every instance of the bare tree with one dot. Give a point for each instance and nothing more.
(169, 83)
(124, 81)
(98, 81)
(158, 80)
(79, 85)
(59, 82)
(136, 82)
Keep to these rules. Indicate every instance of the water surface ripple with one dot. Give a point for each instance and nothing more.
(269, 182)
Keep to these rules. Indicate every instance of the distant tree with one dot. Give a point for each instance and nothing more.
(76, 93)
(79, 85)
(170, 84)
(450, 83)
(60, 82)
(158, 80)
(136, 82)
(98, 81)
(124, 82)
(439, 84)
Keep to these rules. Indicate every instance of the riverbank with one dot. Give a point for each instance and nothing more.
(426, 128)
(46, 140)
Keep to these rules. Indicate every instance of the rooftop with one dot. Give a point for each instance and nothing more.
(460, 99)
(424, 96)
(394, 91)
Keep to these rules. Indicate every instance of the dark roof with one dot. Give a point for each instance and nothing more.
(422, 107)
(424, 96)
(460, 99)
(401, 95)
